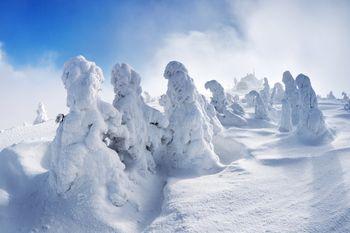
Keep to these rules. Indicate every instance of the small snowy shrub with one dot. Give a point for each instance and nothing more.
(41, 115)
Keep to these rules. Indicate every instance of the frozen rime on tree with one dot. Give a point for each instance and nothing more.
(311, 124)
(277, 94)
(331, 96)
(260, 108)
(80, 160)
(226, 114)
(218, 99)
(41, 115)
(291, 95)
(146, 125)
(265, 92)
(286, 120)
(192, 123)
(345, 96)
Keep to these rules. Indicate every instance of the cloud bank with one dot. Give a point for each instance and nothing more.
(308, 37)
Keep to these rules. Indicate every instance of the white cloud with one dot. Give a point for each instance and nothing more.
(308, 37)
(21, 89)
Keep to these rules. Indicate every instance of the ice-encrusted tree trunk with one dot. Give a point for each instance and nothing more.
(191, 122)
(146, 125)
(291, 94)
(260, 108)
(41, 115)
(225, 112)
(80, 160)
(277, 94)
(311, 125)
(286, 119)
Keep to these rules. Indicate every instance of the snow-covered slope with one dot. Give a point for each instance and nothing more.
(282, 186)
(272, 183)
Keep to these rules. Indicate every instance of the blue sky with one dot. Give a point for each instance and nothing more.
(215, 39)
(104, 31)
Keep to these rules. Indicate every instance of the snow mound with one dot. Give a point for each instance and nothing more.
(190, 121)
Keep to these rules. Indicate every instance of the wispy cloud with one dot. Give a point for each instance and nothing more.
(308, 37)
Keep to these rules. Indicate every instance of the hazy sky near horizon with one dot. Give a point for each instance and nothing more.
(219, 40)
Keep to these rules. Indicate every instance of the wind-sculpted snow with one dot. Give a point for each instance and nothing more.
(260, 108)
(80, 160)
(191, 124)
(291, 95)
(229, 115)
(41, 115)
(145, 124)
(277, 94)
(311, 126)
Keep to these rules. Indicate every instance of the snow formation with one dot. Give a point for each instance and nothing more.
(146, 125)
(229, 115)
(291, 94)
(286, 120)
(277, 94)
(260, 108)
(265, 92)
(311, 125)
(191, 122)
(80, 160)
(41, 115)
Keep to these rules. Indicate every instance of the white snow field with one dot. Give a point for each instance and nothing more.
(271, 183)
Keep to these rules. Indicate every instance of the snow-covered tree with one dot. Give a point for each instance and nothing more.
(260, 108)
(191, 147)
(41, 115)
(146, 97)
(286, 119)
(218, 99)
(291, 94)
(80, 160)
(331, 96)
(265, 92)
(145, 124)
(277, 94)
(345, 97)
(226, 113)
(311, 123)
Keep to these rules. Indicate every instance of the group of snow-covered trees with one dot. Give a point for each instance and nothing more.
(106, 149)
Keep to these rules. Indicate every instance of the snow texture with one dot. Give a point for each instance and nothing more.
(192, 123)
(311, 126)
(41, 115)
(291, 95)
(146, 125)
